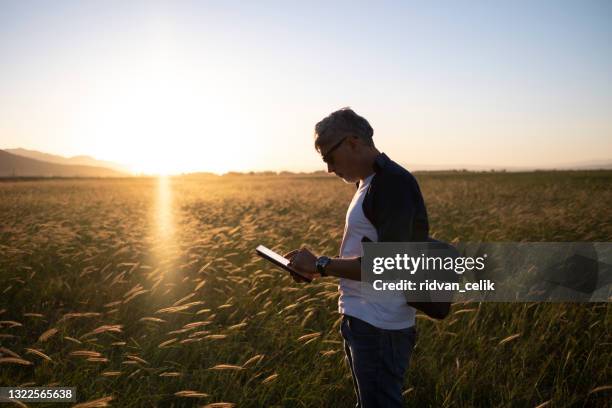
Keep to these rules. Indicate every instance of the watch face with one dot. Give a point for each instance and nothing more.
(323, 261)
(321, 264)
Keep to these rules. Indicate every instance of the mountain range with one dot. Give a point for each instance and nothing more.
(75, 160)
(30, 163)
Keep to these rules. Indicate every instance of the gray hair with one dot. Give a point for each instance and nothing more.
(342, 123)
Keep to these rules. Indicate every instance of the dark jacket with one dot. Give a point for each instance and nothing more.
(394, 205)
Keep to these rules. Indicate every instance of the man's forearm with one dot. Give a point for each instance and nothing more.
(348, 268)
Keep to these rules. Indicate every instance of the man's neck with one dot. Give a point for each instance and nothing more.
(369, 159)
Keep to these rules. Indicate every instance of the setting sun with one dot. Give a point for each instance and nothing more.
(164, 119)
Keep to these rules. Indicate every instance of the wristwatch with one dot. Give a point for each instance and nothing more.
(321, 264)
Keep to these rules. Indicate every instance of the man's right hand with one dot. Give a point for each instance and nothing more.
(296, 278)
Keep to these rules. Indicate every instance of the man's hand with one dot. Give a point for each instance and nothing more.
(303, 261)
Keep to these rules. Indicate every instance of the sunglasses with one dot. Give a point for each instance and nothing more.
(327, 156)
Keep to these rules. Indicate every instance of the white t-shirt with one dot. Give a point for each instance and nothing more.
(391, 314)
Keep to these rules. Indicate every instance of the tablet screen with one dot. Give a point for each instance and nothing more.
(278, 258)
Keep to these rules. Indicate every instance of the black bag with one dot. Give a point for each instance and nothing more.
(438, 310)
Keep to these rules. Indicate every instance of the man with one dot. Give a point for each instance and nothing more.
(387, 207)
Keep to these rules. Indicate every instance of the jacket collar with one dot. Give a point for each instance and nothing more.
(380, 162)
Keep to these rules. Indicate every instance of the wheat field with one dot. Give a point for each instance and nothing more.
(147, 292)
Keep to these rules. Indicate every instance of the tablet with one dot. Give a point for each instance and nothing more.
(279, 261)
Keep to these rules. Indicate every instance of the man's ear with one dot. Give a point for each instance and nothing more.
(355, 143)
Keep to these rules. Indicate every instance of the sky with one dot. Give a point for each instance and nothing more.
(182, 86)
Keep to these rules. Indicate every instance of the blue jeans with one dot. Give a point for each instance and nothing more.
(378, 359)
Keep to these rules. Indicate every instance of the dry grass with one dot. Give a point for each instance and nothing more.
(140, 295)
